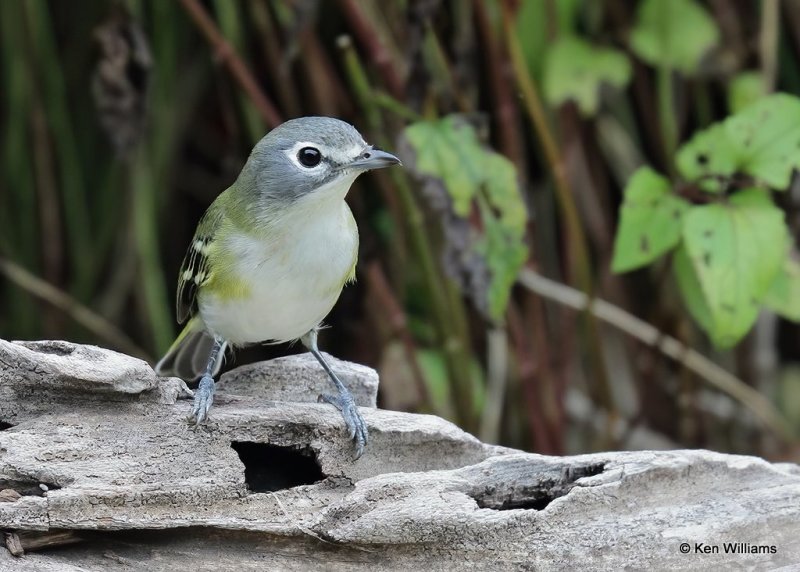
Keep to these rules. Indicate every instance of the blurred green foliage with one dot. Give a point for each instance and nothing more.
(650, 221)
(481, 184)
(576, 70)
(733, 250)
(673, 33)
(526, 125)
(736, 250)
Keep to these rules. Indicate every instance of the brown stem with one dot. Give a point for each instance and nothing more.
(225, 52)
(791, 15)
(276, 61)
(50, 221)
(584, 184)
(364, 30)
(555, 160)
(768, 43)
(500, 82)
(641, 88)
(399, 323)
(731, 28)
(692, 360)
(84, 316)
(330, 94)
(534, 371)
(553, 382)
(576, 240)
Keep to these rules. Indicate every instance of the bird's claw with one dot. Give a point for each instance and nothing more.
(203, 399)
(356, 427)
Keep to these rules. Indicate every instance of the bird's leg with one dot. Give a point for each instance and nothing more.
(204, 396)
(344, 402)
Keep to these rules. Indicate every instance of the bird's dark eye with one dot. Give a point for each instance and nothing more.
(309, 156)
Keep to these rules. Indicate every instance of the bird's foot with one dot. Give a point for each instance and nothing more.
(203, 398)
(356, 427)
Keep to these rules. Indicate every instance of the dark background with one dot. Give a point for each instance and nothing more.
(121, 121)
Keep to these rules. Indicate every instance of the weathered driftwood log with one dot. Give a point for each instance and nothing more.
(98, 460)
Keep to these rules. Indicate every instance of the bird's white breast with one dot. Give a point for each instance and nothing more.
(294, 274)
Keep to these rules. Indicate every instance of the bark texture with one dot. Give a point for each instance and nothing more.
(99, 465)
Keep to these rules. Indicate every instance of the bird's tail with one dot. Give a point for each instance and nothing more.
(188, 355)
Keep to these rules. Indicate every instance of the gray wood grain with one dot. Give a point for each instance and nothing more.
(100, 452)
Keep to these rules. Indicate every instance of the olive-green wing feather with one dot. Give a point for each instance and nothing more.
(195, 270)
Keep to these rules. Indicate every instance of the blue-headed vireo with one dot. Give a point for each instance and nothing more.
(272, 254)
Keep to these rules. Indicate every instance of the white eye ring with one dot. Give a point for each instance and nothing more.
(299, 148)
(309, 157)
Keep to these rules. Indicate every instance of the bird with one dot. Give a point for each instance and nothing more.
(271, 256)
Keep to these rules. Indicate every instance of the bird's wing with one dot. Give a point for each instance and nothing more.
(195, 270)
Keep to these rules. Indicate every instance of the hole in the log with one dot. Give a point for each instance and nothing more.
(5, 425)
(21, 541)
(24, 488)
(269, 468)
(538, 494)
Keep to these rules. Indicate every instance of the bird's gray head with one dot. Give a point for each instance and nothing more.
(309, 155)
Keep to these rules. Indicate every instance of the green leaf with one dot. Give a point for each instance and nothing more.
(651, 219)
(464, 179)
(767, 136)
(762, 140)
(502, 246)
(532, 26)
(505, 255)
(736, 250)
(690, 288)
(445, 150)
(709, 158)
(575, 70)
(500, 186)
(783, 297)
(674, 33)
(745, 89)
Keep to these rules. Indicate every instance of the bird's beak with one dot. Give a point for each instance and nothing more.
(375, 159)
